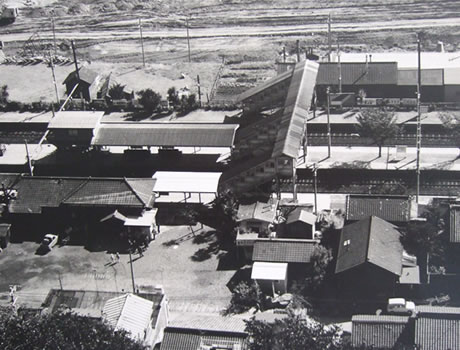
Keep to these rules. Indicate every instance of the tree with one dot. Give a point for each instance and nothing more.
(292, 332)
(149, 99)
(187, 103)
(421, 238)
(173, 96)
(320, 259)
(117, 92)
(452, 123)
(244, 297)
(377, 124)
(4, 94)
(61, 330)
(224, 209)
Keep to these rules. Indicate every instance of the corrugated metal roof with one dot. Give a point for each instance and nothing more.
(209, 323)
(165, 134)
(182, 181)
(295, 111)
(257, 211)
(374, 73)
(437, 332)
(383, 331)
(389, 208)
(269, 271)
(455, 223)
(430, 77)
(130, 313)
(437, 310)
(75, 120)
(303, 215)
(370, 240)
(293, 251)
(280, 78)
(105, 192)
(186, 339)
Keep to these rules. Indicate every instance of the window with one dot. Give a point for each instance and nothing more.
(73, 132)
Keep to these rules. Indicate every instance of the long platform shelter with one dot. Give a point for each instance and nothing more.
(165, 135)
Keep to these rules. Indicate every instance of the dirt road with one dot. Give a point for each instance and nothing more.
(240, 31)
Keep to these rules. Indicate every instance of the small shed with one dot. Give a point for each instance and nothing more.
(300, 224)
(142, 226)
(5, 234)
(272, 277)
(87, 80)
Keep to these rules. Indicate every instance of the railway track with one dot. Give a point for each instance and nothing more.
(436, 183)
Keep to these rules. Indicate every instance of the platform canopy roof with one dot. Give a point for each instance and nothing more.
(189, 182)
(165, 134)
(75, 120)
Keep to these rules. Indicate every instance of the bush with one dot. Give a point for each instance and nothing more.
(149, 99)
(244, 297)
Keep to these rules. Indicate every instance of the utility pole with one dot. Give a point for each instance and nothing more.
(298, 50)
(329, 137)
(329, 40)
(29, 160)
(54, 36)
(142, 43)
(132, 270)
(188, 40)
(315, 177)
(199, 88)
(340, 66)
(54, 77)
(419, 123)
(78, 73)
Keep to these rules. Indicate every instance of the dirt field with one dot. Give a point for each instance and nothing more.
(249, 35)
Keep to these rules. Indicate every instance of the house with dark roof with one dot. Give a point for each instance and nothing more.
(432, 327)
(369, 259)
(454, 215)
(278, 260)
(143, 316)
(394, 209)
(56, 204)
(88, 83)
(189, 332)
(300, 223)
(382, 331)
(437, 328)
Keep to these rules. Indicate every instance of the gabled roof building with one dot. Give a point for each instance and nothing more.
(369, 250)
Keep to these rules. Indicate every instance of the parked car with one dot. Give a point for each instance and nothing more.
(400, 306)
(49, 241)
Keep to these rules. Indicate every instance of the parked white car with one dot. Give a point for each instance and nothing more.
(400, 306)
(49, 241)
